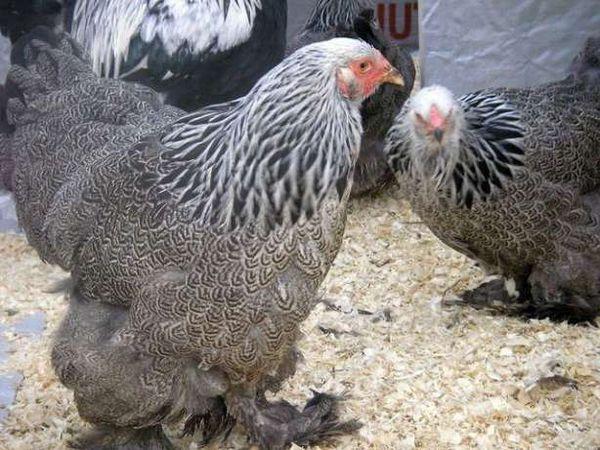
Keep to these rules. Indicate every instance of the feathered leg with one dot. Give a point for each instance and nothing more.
(215, 422)
(500, 296)
(492, 294)
(567, 289)
(549, 293)
(275, 426)
(124, 392)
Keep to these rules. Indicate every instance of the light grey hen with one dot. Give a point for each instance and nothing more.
(356, 19)
(511, 178)
(196, 243)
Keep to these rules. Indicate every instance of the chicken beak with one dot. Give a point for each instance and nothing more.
(393, 77)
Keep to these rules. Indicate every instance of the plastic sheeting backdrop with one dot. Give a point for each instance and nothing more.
(468, 45)
(8, 216)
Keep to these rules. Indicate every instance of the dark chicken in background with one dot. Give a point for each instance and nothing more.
(18, 17)
(194, 53)
(356, 19)
(196, 243)
(511, 178)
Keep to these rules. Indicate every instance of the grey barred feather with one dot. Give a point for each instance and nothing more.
(196, 243)
(512, 187)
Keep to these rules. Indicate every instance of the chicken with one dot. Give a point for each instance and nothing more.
(511, 178)
(196, 243)
(194, 53)
(356, 19)
(18, 17)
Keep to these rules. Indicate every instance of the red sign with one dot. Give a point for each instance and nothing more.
(400, 20)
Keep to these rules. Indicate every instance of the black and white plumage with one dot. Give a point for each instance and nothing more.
(511, 178)
(196, 243)
(194, 53)
(356, 19)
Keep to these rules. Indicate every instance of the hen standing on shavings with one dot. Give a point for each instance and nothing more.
(511, 178)
(356, 19)
(196, 243)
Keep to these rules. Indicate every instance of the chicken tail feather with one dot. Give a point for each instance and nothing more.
(586, 65)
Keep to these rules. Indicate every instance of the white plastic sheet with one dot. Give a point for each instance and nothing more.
(4, 57)
(8, 215)
(472, 44)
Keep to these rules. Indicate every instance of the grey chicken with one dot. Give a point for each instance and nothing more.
(17, 17)
(196, 243)
(356, 19)
(511, 178)
(194, 53)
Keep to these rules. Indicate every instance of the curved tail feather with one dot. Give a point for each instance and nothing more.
(42, 62)
(586, 65)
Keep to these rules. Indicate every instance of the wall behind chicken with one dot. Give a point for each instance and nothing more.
(4, 57)
(398, 18)
(8, 215)
(472, 44)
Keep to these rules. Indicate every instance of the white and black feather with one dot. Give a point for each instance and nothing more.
(247, 163)
(490, 150)
(110, 29)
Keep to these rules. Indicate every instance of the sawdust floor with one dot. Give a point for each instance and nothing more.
(418, 375)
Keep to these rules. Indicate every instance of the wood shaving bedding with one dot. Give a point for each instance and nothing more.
(418, 375)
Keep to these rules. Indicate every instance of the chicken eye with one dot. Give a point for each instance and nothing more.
(364, 66)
